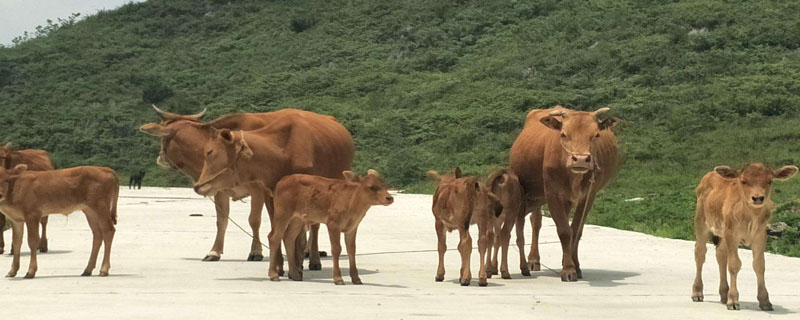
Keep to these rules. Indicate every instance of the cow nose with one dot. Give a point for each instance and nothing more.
(587, 158)
(390, 199)
(758, 200)
(197, 189)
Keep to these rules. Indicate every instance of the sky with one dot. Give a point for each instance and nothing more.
(18, 16)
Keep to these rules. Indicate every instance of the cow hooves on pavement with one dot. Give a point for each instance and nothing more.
(11, 274)
(276, 279)
(464, 284)
(211, 258)
(255, 257)
(315, 266)
(733, 306)
(338, 282)
(86, 273)
(766, 307)
(357, 281)
(526, 272)
(298, 277)
(697, 298)
(506, 275)
(104, 274)
(483, 282)
(2, 250)
(281, 273)
(29, 275)
(440, 278)
(43, 247)
(323, 254)
(569, 276)
(536, 267)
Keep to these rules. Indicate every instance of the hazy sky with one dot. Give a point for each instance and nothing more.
(18, 16)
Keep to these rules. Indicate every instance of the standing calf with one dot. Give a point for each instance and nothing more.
(302, 199)
(505, 185)
(457, 203)
(27, 196)
(735, 206)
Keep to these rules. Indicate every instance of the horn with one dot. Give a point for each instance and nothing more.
(198, 115)
(601, 111)
(160, 112)
(557, 113)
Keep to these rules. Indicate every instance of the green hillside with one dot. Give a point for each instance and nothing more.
(433, 84)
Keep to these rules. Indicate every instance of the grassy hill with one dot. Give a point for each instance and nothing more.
(433, 84)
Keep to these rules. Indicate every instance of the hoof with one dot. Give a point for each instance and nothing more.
(483, 282)
(464, 284)
(697, 298)
(569, 276)
(323, 254)
(29, 275)
(276, 279)
(104, 273)
(211, 258)
(506, 275)
(43, 246)
(439, 278)
(86, 273)
(579, 273)
(526, 272)
(535, 266)
(489, 275)
(2, 250)
(280, 272)
(357, 281)
(734, 306)
(339, 282)
(255, 257)
(298, 277)
(315, 266)
(766, 307)
(11, 274)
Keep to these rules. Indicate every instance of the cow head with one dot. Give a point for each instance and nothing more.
(7, 175)
(182, 139)
(578, 132)
(371, 187)
(486, 200)
(4, 152)
(220, 154)
(755, 181)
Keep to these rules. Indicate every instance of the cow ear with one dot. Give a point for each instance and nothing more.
(433, 176)
(785, 173)
(477, 186)
(457, 173)
(350, 176)
(551, 122)
(726, 172)
(155, 129)
(20, 168)
(373, 172)
(226, 135)
(607, 123)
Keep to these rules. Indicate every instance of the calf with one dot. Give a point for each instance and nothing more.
(505, 185)
(302, 199)
(735, 206)
(27, 196)
(457, 203)
(136, 179)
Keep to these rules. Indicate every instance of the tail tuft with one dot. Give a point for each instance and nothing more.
(715, 240)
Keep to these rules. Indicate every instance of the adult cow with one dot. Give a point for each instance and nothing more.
(563, 158)
(36, 160)
(184, 137)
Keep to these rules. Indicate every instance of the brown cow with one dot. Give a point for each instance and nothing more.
(563, 158)
(37, 160)
(735, 206)
(184, 137)
(339, 204)
(27, 196)
(505, 185)
(459, 202)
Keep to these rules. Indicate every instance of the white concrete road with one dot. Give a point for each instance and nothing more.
(156, 272)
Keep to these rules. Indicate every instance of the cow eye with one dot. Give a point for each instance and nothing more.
(374, 188)
(744, 182)
(597, 135)
(563, 135)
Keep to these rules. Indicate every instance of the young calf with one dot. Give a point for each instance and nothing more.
(457, 203)
(302, 199)
(505, 185)
(735, 206)
(27, 196)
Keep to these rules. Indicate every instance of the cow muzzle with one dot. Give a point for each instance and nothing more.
(758, 201)
(203, 189)
(580, 163)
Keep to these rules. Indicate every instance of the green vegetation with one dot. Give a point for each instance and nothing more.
(431, 84)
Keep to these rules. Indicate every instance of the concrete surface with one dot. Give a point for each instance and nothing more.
(156, 272)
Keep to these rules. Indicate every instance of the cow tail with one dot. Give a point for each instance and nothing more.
(715, 240)
(114, 197)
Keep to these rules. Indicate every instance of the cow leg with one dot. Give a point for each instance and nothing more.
(97, 240)
(505, 239)
(758, 246)
(312, 244)
(465, 248)
(534, 261)
(293, 257)
(2, 233)
(269, 201)
(336, 249)
(520, 228)
(43, 239)
(722, 262)
(222, 206)
(701, 238)
(485, 235)
(559, 210)
(442, 247)
(734, 265)
(350, 242)
(16, 245)
(581, 214)
(32, 222)
(280, 224)
(107, 230)
(256, 205)
(494, 248)
(131, 183)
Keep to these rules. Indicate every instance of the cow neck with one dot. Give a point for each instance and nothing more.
(268, 151)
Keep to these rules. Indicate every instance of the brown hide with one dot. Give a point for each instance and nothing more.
(544, 157)
(506, 186)
(27, 196)
(36, 160)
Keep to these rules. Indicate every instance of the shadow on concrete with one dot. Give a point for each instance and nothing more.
(28, 254)
(266, 259)
(595, 277)
(752, 306)
(474, 282)
(94, 275)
